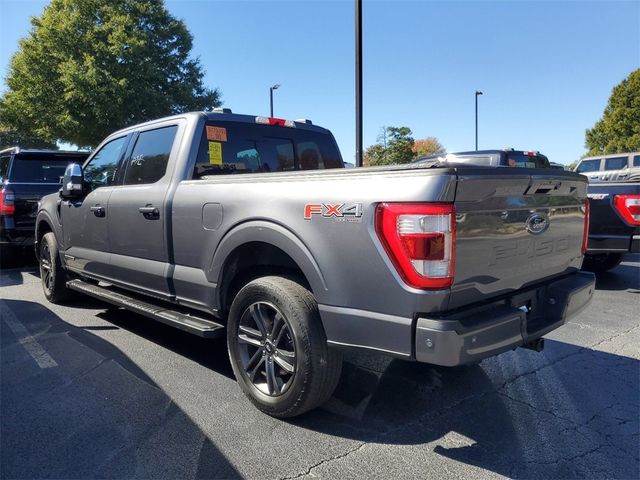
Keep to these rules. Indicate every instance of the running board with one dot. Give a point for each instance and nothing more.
(187, 322)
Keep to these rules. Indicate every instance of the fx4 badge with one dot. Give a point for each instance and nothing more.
(339, 211)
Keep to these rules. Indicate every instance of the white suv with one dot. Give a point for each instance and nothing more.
(617, 167)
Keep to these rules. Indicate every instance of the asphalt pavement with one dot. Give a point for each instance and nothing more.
(91, 391)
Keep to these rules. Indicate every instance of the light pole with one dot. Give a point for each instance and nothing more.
(271, 89)
(358, 16)
(478, 92)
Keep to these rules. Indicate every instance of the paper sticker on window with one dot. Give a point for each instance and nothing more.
(215, 153)
(218, 134)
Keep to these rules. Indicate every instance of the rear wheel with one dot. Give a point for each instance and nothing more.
(278, 348)
(601, 262)
(52, 275)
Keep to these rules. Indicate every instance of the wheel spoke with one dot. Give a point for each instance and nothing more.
(283, 360)
(250, 336)
(260, 319)
(252, 373)
(279, 327)
(272, 380)
(253, 361)
(45, 265)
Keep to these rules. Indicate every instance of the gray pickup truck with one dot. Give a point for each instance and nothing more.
(224, 224)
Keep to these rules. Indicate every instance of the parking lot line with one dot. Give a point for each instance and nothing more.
(30, 344)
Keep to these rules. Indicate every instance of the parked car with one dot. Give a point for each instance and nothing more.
(611, 168)
(614, 228)
(507, 157)
(25, 177)
(205, 221)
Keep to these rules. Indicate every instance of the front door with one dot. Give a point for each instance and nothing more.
(138, 214)
(84, 221)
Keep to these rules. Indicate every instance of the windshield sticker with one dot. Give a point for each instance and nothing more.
(215, 153)
(217, 134)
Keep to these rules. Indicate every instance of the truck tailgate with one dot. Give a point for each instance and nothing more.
(515, 229)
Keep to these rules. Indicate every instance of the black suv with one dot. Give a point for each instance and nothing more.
(507, 157)
(25, 177)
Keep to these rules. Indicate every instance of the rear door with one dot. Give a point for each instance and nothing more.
(139, 211)
(515, 228)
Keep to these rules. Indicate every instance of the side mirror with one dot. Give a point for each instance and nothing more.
(72, 182)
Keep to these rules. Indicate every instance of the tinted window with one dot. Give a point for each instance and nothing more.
(38, 169)
(4, 166)
(615, 163)
(101, 170)
(253, 148)
(149, 158)
(636, 161)
(524, 160)
(588, 166)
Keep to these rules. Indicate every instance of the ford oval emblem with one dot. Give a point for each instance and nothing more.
(537, 223)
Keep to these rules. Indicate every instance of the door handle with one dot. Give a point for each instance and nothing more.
(98, 211)
(149, 212)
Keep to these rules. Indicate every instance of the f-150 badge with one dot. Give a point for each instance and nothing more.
(338, 211)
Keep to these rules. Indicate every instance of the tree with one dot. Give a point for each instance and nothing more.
(89, 67)
(619, 128)
(428, 146)
(399, 144)
(11, 138)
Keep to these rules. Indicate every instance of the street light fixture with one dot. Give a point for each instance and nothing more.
(271, 89)
(478, 92)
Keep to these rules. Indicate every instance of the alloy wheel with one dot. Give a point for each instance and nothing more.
(266, 347)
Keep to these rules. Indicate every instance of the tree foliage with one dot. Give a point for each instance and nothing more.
(89, 67)
(619, 128)
(400, 147)
(398, 150)
(11, 138)
(428, 146)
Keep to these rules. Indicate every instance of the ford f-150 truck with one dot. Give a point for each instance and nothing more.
(614, 226)
(225, 224)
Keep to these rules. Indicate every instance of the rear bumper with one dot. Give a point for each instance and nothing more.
(614, 243)
(471, 335)
(10, 235)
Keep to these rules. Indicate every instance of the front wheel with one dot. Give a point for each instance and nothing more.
(52, 275)
(278, 348)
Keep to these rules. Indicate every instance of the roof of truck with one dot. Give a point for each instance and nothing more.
(40, 152)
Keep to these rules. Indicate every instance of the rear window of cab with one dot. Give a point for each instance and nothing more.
(236, 147)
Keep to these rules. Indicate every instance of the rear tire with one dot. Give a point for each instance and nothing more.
(278, 348)
(52, 275)
(601, 262)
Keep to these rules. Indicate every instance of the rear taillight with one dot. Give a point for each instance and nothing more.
(420, 241)
(628, 207)
(585, 233)
(7, 198)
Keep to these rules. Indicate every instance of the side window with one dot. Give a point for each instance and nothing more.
(588, 166)
(150, 155)
(615, 163)
(101, 170)
(4, 167)
(636, 161)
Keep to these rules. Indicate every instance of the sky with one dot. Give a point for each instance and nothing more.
(546, 68)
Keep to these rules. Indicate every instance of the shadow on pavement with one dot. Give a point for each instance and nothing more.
(625, 276)
(569, 412)
(94, 414)
(573, 417)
